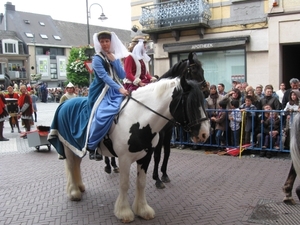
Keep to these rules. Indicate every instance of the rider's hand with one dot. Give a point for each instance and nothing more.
(124, 91)
(110, 56)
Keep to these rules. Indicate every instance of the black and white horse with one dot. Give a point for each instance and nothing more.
(136, 134)
(192, 69)
(295, 167)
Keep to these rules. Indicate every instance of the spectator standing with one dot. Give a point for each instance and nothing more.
(259, 91)
(235, 118)
(269, 99)
(34, 99)
(213, 103)
(220, 121)
(294, 83)
(281, 92)
(290, 110)
(249, 119)
(221, 89)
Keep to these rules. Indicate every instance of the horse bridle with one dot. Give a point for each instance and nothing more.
(186, 126)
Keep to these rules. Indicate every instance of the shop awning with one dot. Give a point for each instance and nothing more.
(207, 44)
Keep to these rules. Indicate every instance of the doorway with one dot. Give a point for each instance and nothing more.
(290, 63)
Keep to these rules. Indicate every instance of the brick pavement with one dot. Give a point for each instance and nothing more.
(204, 189)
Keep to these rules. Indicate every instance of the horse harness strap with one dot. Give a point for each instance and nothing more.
(172, 121)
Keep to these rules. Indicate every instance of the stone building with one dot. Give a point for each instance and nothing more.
(257, 41)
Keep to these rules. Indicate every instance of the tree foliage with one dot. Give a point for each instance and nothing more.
(76, 71)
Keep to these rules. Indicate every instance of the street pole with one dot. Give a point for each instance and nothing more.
(87, 21)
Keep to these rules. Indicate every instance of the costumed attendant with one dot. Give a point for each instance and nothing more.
(34, 99)
(88, 119)
(136, 65)
(13, 119)
(3, 116)
(26, 108)
(69, 94)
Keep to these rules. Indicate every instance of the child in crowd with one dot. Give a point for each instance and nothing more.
(249, 118)
(220, 121)
(271, 127)
(235, 118)
(290, 110)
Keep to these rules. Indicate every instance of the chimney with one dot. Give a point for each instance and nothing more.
(10, 6)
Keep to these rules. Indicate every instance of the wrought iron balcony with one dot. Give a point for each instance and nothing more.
(172, 15)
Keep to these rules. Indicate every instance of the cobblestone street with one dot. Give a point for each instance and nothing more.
(204, 189)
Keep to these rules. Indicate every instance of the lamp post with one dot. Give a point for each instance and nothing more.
(88, 15)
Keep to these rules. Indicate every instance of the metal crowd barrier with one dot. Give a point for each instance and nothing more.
(180, 137)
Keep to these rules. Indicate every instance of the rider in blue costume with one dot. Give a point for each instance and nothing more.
(89, 118)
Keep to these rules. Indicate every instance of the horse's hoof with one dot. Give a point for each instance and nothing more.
(75, 196)
(116, 170)
(107, 169)
(165, 179)
(159, 184)
(289, 201)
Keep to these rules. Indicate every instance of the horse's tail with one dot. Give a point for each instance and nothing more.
(295, 143)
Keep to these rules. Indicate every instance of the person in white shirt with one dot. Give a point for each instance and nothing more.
(281, 91)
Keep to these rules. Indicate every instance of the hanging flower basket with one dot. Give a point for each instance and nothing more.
(35, 77)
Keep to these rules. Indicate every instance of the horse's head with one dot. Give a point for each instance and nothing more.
(187, 108)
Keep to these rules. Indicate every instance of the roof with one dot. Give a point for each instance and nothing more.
(76, 33)
(71, 34)
(5, 34)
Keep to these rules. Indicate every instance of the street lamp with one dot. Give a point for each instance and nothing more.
(88, 15)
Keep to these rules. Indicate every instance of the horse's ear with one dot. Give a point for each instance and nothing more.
(184, 84)
(191, 57)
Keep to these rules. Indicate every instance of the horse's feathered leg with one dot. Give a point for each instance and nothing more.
(114, 165)
(74, 180)
(157, 154)
(122, 208)
(288, 186)
(140, 205)
(167, 150)
(107, 168)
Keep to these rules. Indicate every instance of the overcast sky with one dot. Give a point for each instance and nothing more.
(117, 11)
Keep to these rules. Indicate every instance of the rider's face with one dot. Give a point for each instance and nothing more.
(105, 44)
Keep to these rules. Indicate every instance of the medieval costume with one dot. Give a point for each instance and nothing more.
(69, 94)
(136, 67)
(13, 108)
(26, 108)
(3, 116)
(88, 119)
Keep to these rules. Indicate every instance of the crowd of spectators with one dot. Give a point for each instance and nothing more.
(260, 115)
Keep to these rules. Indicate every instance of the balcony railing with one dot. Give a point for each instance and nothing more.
(16, 75)
(175, 13)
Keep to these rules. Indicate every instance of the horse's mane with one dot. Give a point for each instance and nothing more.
(195, 100)
(157, 88)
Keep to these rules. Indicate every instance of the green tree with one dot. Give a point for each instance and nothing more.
(76, 71)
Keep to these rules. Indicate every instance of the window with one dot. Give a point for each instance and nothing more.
(42, 24)
(29, 35)
(220, 66)
(56, 37)
(10, 46)
(44, 36)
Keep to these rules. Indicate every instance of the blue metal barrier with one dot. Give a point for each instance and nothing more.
(180, 137)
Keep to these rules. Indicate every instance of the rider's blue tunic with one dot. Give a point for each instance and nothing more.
(70, 125)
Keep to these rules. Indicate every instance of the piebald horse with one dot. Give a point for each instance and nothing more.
(295, 167)
(192, 69)
(135, 134)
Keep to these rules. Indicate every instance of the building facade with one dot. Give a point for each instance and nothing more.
(245, 40)
(41, 45)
